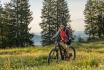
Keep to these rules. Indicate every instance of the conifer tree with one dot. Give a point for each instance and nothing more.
(15, 18)
(23, 17)
(10, 24)
(94, 12)
(1, 37)
(54, 13)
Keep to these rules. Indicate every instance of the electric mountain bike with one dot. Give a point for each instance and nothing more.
(59, 53)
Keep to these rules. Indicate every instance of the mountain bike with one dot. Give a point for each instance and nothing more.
(59, 53)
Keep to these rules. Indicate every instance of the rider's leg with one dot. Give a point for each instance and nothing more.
(65, 49)
(64, 45)
(61, 53)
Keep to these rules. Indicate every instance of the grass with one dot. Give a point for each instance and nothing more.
(90, 56)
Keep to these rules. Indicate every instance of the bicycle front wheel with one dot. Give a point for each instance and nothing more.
(53, 55)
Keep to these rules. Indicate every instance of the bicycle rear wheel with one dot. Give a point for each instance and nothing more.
(71, 53)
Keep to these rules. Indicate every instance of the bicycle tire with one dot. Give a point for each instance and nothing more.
(52, 53)
(73, 56)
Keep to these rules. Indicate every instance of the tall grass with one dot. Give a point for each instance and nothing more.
(90, 56)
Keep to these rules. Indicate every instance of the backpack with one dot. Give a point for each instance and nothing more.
(68, 33)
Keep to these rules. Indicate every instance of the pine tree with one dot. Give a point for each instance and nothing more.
(54, 13)
(23, 18)
(15, 18)
(94, 18)
(12, 9)
(89, 14)
(10, 27)
(62, 12)
(1, 9)
(100, 18)
(3, 28)
(47, 23)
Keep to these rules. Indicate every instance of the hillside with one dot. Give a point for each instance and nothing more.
(37, 38)
(90, 56)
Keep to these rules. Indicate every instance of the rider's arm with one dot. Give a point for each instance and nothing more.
(56, 35)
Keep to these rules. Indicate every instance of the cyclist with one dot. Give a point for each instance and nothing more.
(62, 38)
(63, 35)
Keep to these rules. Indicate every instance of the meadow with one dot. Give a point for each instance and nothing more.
(90, 56)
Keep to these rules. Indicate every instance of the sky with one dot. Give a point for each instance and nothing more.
(76, 8)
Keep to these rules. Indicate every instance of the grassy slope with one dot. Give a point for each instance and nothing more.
(90, 56)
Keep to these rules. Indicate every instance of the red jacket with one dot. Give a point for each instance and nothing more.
(63, 36)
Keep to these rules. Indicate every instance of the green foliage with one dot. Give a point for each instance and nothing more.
(54, 13)
(16, 17)
(23, 18)
(94, 18)
(94, 63)
(1, 11)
